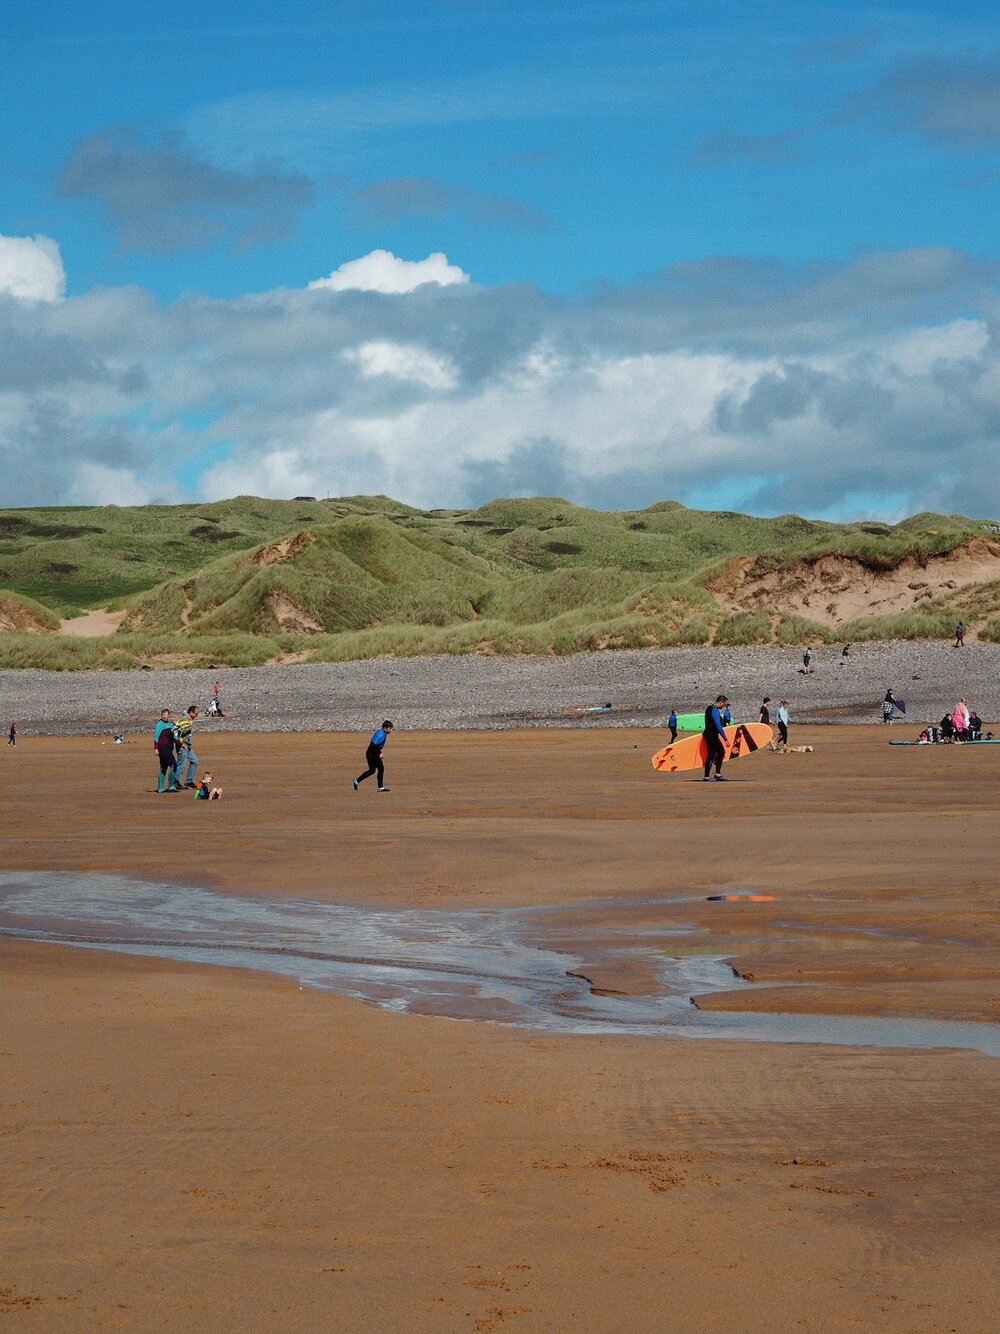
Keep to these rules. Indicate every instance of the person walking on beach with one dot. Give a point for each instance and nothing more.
(672, 723)
(781, 718)
(888, 707)
(715, 740)
(186, 758)
(960, 635)
(807, 658)
(373, 756)
(165, 748)
(765, 718)
(12, 735)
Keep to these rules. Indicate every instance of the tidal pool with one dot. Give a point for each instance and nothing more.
(510, 966)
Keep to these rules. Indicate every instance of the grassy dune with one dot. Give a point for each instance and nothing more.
(249, 580)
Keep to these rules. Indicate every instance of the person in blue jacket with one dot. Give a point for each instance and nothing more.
(373, 756)
(715, 739)
(672, 724)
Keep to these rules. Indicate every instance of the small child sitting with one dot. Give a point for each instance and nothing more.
(206, 792)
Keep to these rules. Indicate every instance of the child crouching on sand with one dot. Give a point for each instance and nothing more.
(206, 792)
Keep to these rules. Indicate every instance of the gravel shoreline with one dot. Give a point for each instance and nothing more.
(479, 692)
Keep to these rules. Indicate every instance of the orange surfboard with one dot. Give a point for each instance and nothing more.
(741, 739)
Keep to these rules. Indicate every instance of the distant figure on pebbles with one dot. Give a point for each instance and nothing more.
(960, 635)
(12, 735)
(373, 757)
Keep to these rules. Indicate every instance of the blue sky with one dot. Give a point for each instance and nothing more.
(738, 255)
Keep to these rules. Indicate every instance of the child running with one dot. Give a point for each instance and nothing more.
(373, 756)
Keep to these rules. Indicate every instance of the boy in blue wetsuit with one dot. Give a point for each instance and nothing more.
(715, 739)
(373, 756)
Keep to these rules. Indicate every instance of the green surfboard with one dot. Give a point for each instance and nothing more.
(691, 722)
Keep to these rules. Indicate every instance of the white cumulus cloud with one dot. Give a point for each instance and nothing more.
(31, 268)
(866, 386)
(382, 271)
(403, 362)
(94, 484)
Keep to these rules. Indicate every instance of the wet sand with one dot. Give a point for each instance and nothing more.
(198, 1148)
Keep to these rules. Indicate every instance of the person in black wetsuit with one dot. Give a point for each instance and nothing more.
(715, 740)
(373, 757)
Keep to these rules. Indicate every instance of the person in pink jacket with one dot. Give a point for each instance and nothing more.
(960, 720)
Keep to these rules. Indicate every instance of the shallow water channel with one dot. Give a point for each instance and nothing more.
(510, 966)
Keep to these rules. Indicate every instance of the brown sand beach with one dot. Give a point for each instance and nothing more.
(195, 1147)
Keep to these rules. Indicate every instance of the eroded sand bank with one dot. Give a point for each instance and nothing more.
(190, 1147)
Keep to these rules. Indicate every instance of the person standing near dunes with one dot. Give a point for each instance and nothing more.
(373, 756)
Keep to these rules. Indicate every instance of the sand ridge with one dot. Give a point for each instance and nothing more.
(832, 589)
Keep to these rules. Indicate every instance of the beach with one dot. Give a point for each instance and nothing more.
(189, 1146)
(483, 691)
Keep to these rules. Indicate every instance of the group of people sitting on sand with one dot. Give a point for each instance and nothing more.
(961, 724)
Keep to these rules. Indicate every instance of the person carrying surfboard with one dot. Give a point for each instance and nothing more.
(715, 740)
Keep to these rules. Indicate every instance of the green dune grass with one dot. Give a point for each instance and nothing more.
(250, 580)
